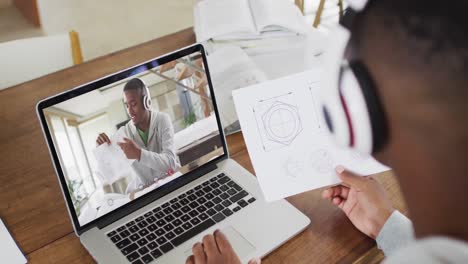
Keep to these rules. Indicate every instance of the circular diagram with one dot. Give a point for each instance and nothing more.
(321, 161)
(294, 167)
(282, 123)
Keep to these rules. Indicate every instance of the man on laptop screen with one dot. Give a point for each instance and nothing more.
(154, 119)
(149, 137)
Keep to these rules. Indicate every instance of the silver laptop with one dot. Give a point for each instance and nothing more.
(152, 206)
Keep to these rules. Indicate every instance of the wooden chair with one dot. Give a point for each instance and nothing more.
(318, 14)
(27, 59)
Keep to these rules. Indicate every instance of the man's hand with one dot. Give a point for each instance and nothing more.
(130, 148)
(362, 199)
(215, 249)
(102, 138)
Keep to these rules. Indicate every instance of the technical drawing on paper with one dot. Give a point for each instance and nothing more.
(294, 167)
(321, 161)
(313, 86)
(278, 121)
(318, 160)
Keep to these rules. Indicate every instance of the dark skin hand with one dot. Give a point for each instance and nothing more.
(103, 138)
(130, 148)
(215, 249)
(362, 199)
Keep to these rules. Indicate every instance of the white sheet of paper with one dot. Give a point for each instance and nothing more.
(286, 137)
(112, 162)
(10, 252)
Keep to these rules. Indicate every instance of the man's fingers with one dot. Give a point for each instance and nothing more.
(190, 260)
(255, 261)
(336, 201)
(198, 253)
(340, 190)
(103, 138)
(349, 178)
(222, 242)
(106, 138)
(209, 245)
(339, 202)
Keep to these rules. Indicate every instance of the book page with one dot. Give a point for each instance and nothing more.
(223, 17)
(287, 139)
(274, 15)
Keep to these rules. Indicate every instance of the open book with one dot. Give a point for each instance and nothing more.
(246, 19)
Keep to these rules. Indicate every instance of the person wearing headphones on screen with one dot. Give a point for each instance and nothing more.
(149, 138)
(407, 74)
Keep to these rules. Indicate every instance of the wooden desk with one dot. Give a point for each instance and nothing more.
(33, 208)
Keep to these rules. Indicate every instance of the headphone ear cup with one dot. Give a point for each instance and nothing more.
(147, 102)
(367, 115)
(147, 99)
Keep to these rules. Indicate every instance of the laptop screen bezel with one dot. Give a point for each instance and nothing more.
(107, 80)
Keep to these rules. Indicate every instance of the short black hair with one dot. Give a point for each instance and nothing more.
(135, 84)
(436, 31)
(432, 28)
(433, 38)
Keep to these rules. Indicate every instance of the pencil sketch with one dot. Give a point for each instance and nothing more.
(294, 167)
(278, 121)
(321, 161)
(313, 86)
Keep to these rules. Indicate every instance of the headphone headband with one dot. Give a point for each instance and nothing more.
(357, 5)
(146, 97)
(350, 103)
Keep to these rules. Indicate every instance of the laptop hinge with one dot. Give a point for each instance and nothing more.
(154, 195)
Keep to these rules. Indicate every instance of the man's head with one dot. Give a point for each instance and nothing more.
(417, 54)
(134, 92)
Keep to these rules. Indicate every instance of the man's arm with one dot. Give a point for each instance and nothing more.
(367, 206)
(396, 232)
(167, 159)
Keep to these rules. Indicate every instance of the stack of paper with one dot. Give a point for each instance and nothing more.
(263, 25)
(246, 19)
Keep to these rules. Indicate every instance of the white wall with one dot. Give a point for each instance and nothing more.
(106, 26)
(116, 112)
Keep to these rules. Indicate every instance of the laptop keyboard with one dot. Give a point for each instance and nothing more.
(158, 231)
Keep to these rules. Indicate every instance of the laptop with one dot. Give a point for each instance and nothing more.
(152, 207)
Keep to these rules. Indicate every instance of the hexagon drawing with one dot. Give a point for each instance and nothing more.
(278, 120)
(282, 123)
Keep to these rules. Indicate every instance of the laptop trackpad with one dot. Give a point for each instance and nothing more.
(241, 246)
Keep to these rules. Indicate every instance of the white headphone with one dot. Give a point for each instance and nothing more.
(146, 99)
(350, 104)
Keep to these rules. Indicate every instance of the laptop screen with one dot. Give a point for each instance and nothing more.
(132, 133)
